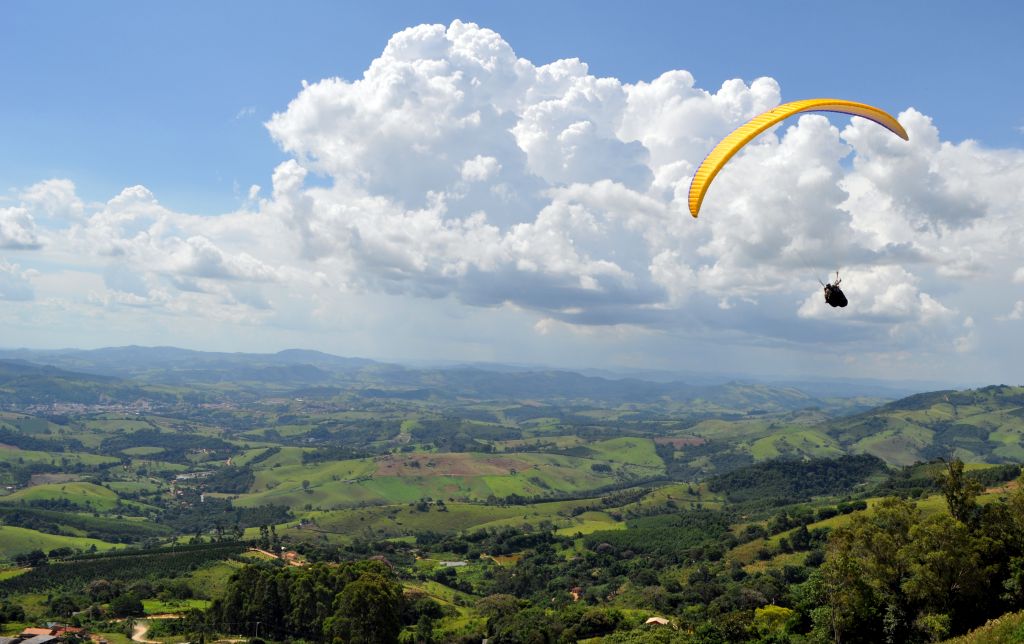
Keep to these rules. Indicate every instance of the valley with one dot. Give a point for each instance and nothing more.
(167, 476)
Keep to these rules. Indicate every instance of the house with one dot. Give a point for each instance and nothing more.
(39, 639)
(34, 631)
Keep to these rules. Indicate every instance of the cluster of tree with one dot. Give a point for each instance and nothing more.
(332, 453)
(230, 480)
(22, 440)
(922, 478)
(354, 602)
(19, 471)
(176, 445)
(493, 541)
(691, 535)
(103, 599)
(74, 523)
(895, 574)
(11, 612)
(132, 565)
(629, 485)
(700, 459)
(192, 515)
(784, 481)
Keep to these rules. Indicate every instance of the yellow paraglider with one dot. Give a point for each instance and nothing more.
(742, 135)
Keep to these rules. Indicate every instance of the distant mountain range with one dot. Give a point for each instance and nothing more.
(133, 372)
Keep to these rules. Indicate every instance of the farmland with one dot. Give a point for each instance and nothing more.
(529, 493)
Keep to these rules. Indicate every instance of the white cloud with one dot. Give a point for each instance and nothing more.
(18, 229)
(454, 171)
(1016, 313)
(53, 198)
(15, 284)
(480, 168)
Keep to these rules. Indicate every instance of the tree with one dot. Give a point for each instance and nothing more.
(861, 580)
(960, 492)
(425, 630)
(127, 605)
(529, 626)
(367, 611)
(947, 571)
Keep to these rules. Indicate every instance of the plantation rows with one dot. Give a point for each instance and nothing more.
(129, 565)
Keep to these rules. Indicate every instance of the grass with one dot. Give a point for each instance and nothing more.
(465, 476)
(400, 520)
(211, 580)
(111, 425)
(588, 522)
(115, 638)
(159, 607)
(1006, 629)
(634, 451)
(143, 451)
(795, 440)
(54, 458)
(443, 594)
(131, 487)
(287, 456)
(84, 495)
(15, 541)
(8, 573)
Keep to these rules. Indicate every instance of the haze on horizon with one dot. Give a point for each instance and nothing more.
(442, 195)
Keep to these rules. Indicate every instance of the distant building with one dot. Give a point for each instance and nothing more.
(657, 621)
(33, 631)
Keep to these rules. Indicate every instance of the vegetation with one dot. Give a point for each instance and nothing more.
(255, 497)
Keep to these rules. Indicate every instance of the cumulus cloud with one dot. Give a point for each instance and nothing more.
(53, 198)
(18, 229)
(452, 168)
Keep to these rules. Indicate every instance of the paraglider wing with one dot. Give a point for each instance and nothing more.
(742, 135)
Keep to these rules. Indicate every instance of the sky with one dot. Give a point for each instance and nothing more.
(507, 182)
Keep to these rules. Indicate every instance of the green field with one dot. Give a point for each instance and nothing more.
(54, 458)
(795, 441)
(159, 606)
(633, 451)
(83, 495)
(15, 541)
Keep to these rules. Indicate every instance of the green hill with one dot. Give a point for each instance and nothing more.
(976, 425)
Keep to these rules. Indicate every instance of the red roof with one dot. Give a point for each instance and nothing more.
(37, 631)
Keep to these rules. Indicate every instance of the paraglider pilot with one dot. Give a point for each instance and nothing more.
(833, 294)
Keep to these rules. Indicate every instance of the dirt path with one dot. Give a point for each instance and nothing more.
(139, 633)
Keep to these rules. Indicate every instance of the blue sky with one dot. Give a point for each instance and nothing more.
(166, 178)
(173, 95)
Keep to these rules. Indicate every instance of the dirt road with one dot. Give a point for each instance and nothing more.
(139, 633)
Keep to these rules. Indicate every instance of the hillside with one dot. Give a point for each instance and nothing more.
(975, 425)
(25, 383)
(712, 504)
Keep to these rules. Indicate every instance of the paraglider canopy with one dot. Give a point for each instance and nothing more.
(742, 135)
